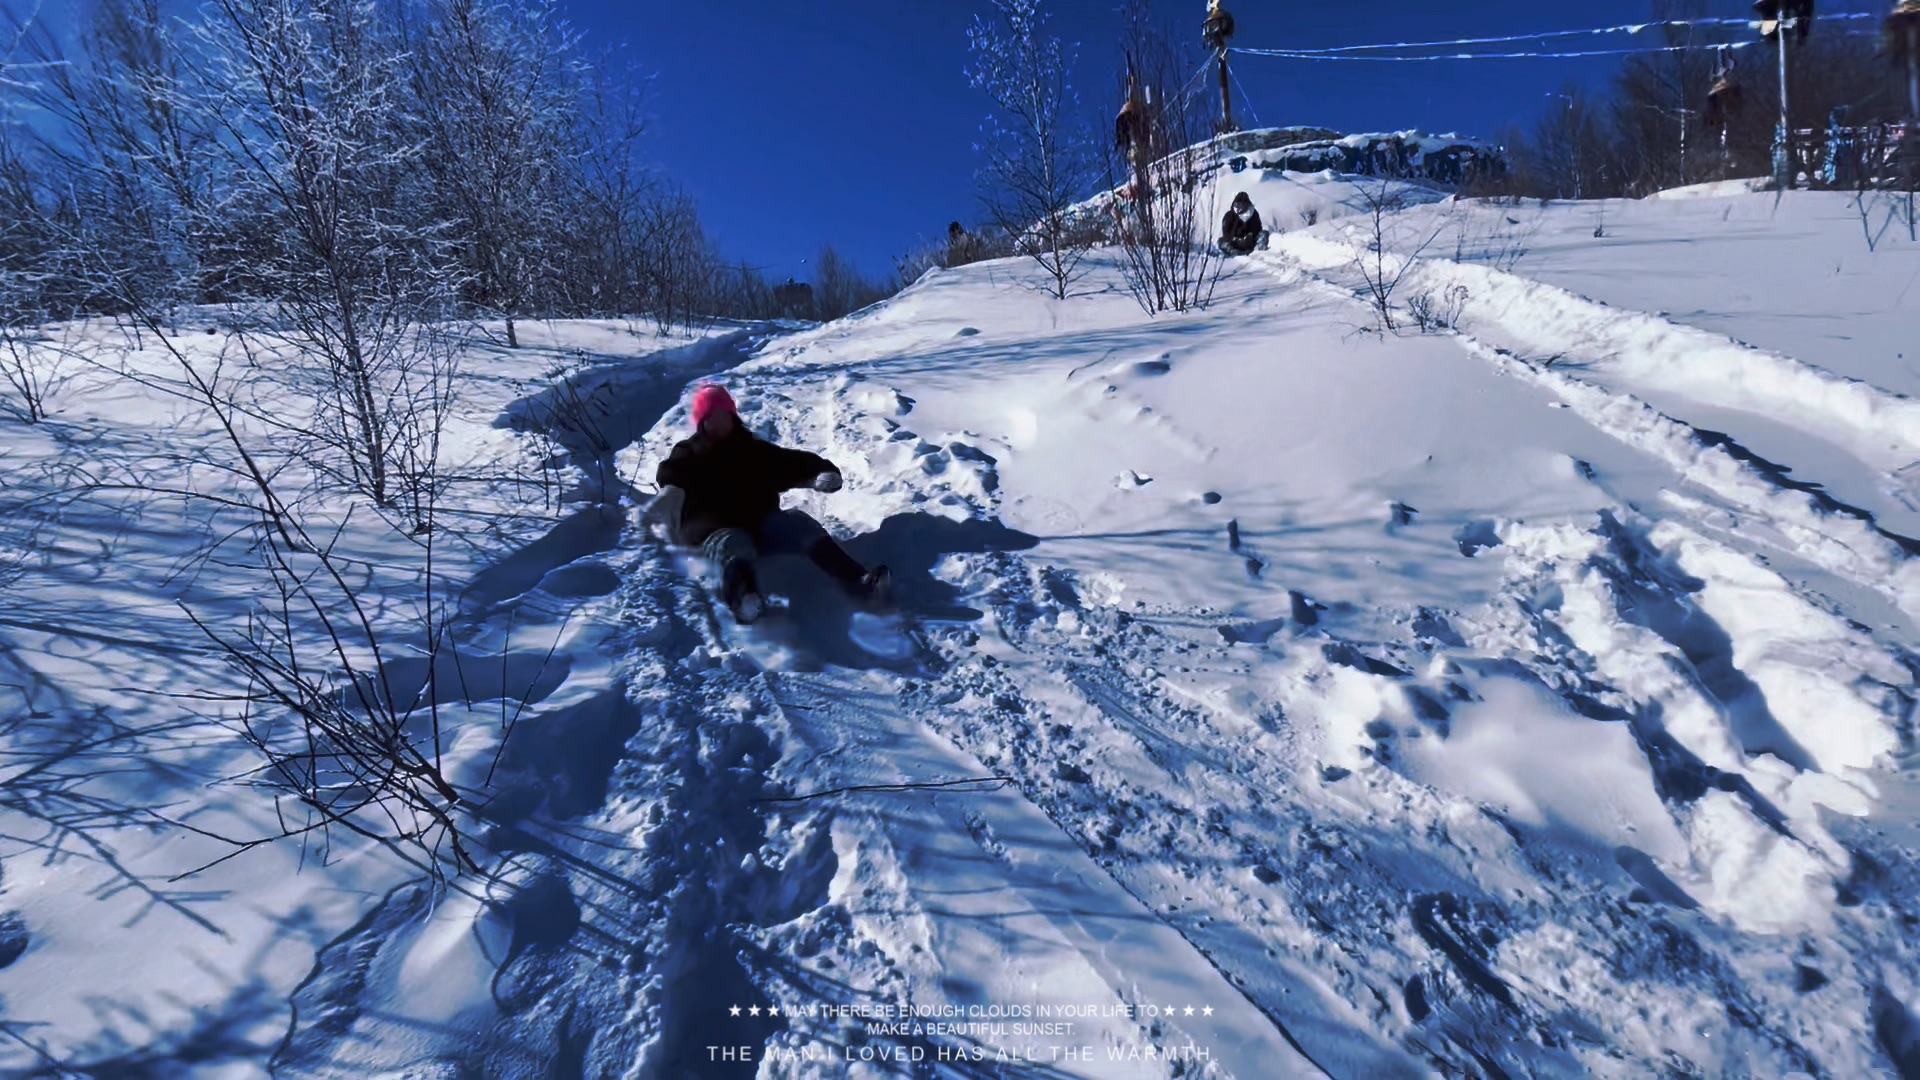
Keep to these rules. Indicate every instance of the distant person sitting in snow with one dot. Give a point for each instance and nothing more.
(1240, 229)
(721, 491)
(962, 246)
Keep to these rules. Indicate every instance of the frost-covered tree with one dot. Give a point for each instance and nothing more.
(1574, 154)
(1039, 164)
(677, 263)
(132, 165)
(608, 190)
(355, 253)
(493, 90)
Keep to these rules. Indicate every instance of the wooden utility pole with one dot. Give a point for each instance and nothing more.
(1226, 96)
(1903, 40)
(1783, 161)
(1723, 101)
(1781, 13)
(1217, 33)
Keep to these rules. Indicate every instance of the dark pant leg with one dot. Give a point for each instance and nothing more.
(731, 552)
(792, 532)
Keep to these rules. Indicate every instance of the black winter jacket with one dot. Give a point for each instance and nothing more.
(1240, 234)
(733, 483)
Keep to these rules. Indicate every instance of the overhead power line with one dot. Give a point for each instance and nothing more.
(1624, 28)
(1287, 54)
(1493, 56)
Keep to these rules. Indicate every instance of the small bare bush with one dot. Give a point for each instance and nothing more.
(33, 369)
(1164, 229)
(1439, 313)
(1382, 268)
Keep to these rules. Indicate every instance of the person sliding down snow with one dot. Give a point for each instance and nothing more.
(1240, 229)
(721, 492)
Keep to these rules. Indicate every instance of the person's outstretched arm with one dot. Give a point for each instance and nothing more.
(789, 468)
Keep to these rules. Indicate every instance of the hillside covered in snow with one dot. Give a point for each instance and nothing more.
(1523, 690)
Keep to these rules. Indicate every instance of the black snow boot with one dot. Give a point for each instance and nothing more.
(876, 588)
(741, 591)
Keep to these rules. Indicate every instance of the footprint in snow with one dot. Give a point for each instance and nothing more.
(1475, 537)
(13, 938)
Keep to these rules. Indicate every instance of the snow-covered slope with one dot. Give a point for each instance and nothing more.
(1529, 698)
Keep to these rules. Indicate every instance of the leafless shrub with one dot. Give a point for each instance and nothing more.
(742, 292)
(33, 368)
(335, 741)
(358, 270)
(493, 88)
(324, 223)
(1381, 267)
(1435, 314)
(1165, 264)
(1167, 258)
(608, 187)
(30, 364)
(839, 289)
(572, 419)
(1499, 234)
(336, 745)
(912, 264)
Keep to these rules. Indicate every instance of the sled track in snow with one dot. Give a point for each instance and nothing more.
(1805, 520)
(616, 959)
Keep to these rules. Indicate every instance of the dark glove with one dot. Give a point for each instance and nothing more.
(828, 482)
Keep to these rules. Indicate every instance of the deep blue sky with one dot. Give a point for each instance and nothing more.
(798, 122)
(803, 122)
